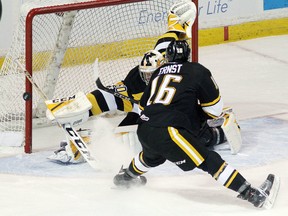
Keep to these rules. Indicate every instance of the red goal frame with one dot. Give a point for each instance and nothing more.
(64, 8)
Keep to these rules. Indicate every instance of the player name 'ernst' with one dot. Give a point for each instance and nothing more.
(170, 69)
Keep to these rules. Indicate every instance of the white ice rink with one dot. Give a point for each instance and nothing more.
(252, 76)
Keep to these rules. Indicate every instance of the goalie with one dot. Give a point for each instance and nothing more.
(180, 19)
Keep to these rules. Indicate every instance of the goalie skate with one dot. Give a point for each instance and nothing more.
(68, 153)
(61, 156)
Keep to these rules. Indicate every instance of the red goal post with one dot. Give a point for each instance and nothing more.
(58, 42)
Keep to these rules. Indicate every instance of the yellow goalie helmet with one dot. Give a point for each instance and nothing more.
(149, 63)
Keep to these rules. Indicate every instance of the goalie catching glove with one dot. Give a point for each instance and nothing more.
(73, 110)
(181, 17)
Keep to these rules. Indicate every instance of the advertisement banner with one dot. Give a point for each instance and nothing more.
(273, 4)
(216, 13)
(212, 14)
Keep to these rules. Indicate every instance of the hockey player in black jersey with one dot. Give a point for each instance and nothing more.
(169, 122)
(134, 84)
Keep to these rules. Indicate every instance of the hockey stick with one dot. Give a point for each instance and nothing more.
(73, 135)
(114, 92)
(111, 90)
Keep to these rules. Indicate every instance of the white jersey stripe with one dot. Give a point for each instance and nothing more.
(110, 100)
(139, 165)
(225, 175)
(215, 109)
(162, 45)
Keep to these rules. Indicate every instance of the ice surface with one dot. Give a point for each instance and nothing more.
(252, 76)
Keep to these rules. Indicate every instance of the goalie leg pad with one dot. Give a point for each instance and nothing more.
(129, 137)
(232, 132)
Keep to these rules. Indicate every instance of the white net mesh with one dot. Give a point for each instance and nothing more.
(65, 45)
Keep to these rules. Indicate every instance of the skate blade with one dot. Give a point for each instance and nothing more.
(60, 160)
(270, 200)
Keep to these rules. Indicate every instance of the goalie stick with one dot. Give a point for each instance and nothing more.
(111, 90)
(70, 132)
(114, 92)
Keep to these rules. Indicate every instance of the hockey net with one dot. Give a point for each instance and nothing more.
(58, 41)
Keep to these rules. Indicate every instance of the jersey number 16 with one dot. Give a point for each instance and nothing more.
(165, 93)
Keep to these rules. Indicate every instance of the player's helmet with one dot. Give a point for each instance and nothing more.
(150, 62)
(177, 51)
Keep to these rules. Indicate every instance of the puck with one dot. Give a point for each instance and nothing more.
(26, 96)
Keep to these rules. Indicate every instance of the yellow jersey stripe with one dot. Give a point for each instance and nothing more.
(95, 106)
(185, 146)
(211, 103)
(216, 175)
(231, 179)
(135, 168)
(169, 35)
(137, 96)
(128, 106)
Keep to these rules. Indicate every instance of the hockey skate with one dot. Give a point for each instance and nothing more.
(265, 195)
(123, 179)
(61, 155)
(68, 153)
(220, 143)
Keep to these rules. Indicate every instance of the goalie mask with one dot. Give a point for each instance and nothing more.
(178, 51)
(150, 62)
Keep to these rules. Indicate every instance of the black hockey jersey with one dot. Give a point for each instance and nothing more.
(132, 86)
(175, 93)
(135, 85)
